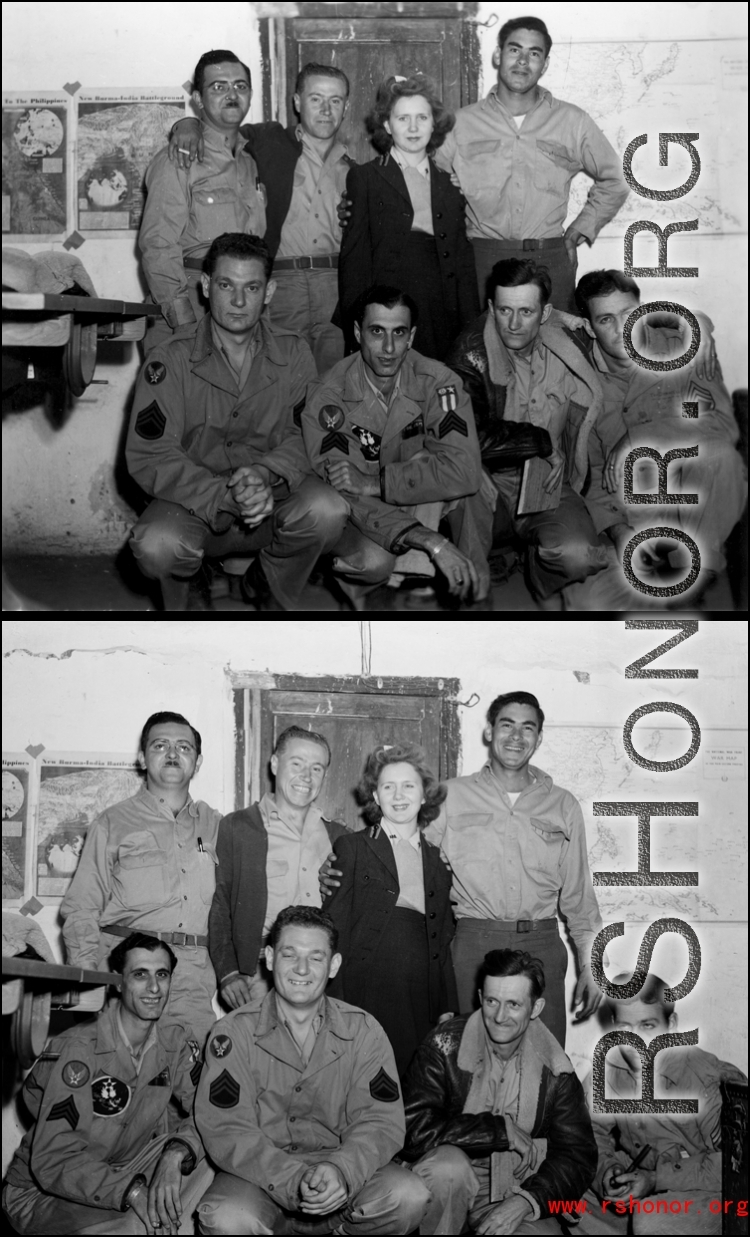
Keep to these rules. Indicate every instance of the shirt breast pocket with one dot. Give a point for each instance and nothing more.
(467, 840)
(555, 167)
(140, 875)
(479, 169)
(207, 872)
(546, 845)
(214, 211)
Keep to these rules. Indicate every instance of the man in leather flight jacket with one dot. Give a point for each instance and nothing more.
(496, 1117)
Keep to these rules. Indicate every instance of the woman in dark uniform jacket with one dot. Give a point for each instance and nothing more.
(392, 907)
(407, 227)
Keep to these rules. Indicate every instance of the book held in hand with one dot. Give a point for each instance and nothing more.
(533, 496)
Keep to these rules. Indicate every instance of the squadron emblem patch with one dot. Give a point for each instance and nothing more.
(448, 399)
(75, 1074)
(155, 372)
(331, 417)
(110, 1096)
(150, 422)
(384, 1088)
(368, 441)
(224, 1091)
(221, 1045)
(65, 1111)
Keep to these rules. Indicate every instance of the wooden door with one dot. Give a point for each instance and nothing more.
(354, 718)
(371, 42)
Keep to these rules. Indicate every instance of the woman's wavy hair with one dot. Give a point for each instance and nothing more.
(393, 89)
(409, 753)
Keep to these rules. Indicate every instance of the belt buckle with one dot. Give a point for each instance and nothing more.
(179, 938)
(524, 925)
(304, 264)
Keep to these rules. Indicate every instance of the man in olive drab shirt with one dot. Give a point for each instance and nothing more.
(149, 865)
(186, 209)
(393, 432)
(104, 1154)
(303, 169)
(514, 155)
(214, 439)
(299, 1105)
(516, 844)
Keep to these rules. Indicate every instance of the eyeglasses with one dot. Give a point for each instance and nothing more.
(242, 87)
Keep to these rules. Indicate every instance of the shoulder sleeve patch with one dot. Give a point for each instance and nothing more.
(331, 417)
(224, 1091)
(65, 1111)
(155, 372)
(150, 422)
(448, 397)
(221, 1045)
(384, 1088)
(75, 1073)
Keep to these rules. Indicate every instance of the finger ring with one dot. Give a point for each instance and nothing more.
(183, 151)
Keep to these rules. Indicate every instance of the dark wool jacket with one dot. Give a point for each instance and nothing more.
(238, 911)
(276, 151)
(363, 904)
(436, 1090)
(379, 227)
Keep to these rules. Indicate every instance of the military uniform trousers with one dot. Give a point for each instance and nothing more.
(563, 543)
(392, 1201)
(305, 301)
(364, 564)
(168, 542)
(460, 1190)
(31, 1210)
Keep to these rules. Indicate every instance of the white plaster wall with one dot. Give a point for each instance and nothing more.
(88, 686)
(59, 488)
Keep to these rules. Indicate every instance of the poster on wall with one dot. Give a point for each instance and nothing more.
(18, 779)
(74, 789)
(118, 134)
(36, 165)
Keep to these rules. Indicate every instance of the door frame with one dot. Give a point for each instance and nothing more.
(246, 699)
(273, 44)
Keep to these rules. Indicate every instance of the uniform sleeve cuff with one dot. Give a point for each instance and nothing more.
(535, 1205)
(189, 1159)
(138, 1180)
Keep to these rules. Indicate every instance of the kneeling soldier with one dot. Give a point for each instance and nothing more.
(299, 1106)
(394, 433)
(101, 1144)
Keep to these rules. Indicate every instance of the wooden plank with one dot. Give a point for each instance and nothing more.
(314, 705)
(390, 686)
(78, 304)
(29, 968)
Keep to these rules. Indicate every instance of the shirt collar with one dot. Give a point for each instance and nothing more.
(337, 151)
(393, 836)
(423, 166)
(191, 805)
(385, 402)
(136, 1053)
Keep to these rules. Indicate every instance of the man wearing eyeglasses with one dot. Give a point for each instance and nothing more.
(149, 865)
(186, 209)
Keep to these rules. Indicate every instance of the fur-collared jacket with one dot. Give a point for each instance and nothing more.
(480, 357)
(442, 1083)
